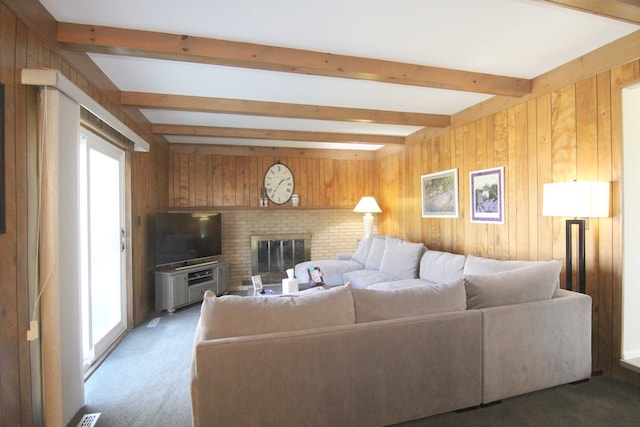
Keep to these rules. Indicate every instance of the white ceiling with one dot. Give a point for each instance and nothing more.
(516, 38)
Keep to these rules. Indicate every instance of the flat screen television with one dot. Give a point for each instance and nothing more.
(186, 238)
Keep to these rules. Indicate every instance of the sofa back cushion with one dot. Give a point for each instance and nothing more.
(233, 315)
(439, 267)
(372, 305)
(401, 258)
(534, 282)
(375, 253)
(478, 265)
(362, 251)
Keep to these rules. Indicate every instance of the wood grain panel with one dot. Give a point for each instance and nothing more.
(481, 230)
(543, 132)
(534, 195)
(21, 47)
(519, 183)
(620, 77)
(501, 158)
(228, 181)
(603, 304)
(468, 235)
(10, 276)
(563, 157)
(568, 133)
(200, 180)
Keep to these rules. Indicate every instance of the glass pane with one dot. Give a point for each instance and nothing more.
(263, 256)
(287, 255)
(299, 252)
(104, 243)
(275, 256)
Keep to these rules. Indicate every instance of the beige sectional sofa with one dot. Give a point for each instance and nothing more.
(393, 351)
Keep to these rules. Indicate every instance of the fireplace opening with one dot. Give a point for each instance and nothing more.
(273, 254)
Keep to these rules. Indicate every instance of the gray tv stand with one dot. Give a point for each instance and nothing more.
(178, 287)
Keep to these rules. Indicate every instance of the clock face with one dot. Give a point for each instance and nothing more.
(278, 183)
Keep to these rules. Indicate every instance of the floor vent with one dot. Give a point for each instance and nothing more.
(153, 322)
(89, 420)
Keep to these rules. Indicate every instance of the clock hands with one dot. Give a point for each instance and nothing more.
(281, 181)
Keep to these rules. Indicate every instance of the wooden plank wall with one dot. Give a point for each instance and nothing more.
(21, 48)
(569, 133)
(217, 177)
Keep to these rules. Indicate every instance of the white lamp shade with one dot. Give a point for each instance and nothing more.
(367, 205)
(578, 199)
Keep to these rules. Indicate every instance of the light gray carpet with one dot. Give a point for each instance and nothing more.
(600, 402)
(145, 382)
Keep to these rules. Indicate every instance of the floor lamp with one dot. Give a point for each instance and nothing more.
(581, 200)
(368, 206)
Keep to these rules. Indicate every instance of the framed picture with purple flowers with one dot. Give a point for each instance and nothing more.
(487, 195)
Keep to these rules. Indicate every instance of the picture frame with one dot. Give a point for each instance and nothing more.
(487, 195)
(3, 207)
(440, 194)
(257, 282)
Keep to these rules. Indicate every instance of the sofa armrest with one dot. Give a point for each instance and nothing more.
(344, 257)
(535, 345)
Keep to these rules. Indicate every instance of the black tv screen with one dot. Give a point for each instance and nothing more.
(187, 237)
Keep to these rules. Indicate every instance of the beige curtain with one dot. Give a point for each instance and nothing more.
(58, 269)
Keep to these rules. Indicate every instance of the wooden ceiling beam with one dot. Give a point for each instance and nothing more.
(279, 109)
(621, 10)
(117, 41)
(270, 134)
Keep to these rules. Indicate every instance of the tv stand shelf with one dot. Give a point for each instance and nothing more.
(178, 287)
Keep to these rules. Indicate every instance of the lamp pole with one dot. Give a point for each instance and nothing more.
(582, 276)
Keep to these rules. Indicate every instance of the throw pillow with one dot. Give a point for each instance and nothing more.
(536, 282)
(362, 251)
(375, 253)
(372, 305)
(400, 258)
(233, 315)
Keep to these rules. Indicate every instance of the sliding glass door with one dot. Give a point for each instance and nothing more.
(103, 258)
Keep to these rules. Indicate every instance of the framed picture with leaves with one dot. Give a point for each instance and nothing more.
(440, 194)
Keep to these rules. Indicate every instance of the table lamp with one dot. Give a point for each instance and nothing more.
(368, 206)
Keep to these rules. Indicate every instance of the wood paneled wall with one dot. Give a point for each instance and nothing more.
(569, 133)
(21, 47)
(209, 177)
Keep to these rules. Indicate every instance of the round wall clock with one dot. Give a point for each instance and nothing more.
(278, 183)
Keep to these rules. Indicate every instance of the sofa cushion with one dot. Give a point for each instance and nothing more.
(375, 253)
(438, 267)
(332, 270)
(399, 284)
(372, 305)
(362, 251)
(478, 265)
(400, 258)
(366, 278)
(535, 282)
(233, 315)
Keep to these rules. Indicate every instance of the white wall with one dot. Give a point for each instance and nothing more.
(631, 223)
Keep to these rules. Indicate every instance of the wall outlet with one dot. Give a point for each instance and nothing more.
(33, 333)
